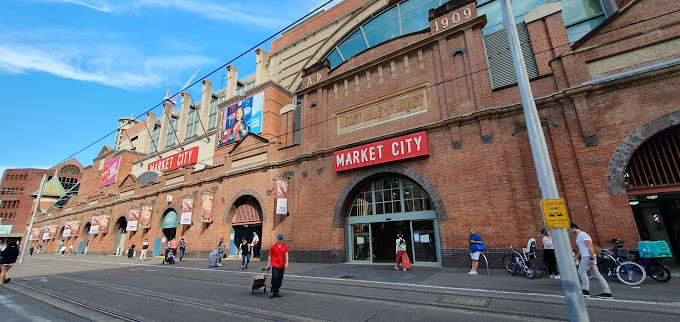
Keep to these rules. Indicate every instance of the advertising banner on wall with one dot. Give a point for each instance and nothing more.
(53, 231)
(133, 220)
(67, 230)
(104, 224)
(35, 233)
(145, 217)
(187, 210)
(206, 208)
(110, 172)
(75, 228)
(46, 233)
(239, 119)
(94, 225)
(281, 197)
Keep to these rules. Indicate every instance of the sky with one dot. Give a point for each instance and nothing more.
(69, 69)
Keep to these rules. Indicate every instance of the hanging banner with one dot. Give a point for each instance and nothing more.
(35, 233)
(187, 210)
(75, 228)
(206, 213)
(281, 197)
(67, 230)
(104, 223)
(133, 220)
(53, 231)
(239, 119)
(94, 225)
(170, 220)
(46, 233)
(146, 217)
(109, 172)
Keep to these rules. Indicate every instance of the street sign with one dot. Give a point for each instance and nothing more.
(555, 213)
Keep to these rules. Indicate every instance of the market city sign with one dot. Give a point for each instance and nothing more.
(175, 161)
(403, 147)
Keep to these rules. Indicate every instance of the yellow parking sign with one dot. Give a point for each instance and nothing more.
(555, 213)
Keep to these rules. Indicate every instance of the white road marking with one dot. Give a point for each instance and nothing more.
(447, 288)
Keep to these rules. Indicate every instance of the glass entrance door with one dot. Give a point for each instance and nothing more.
(361, 240)
(424, 241)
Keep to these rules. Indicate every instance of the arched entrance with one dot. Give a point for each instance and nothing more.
(652, 182)
(246, 220)
(169, 224)
(82, 246)
(121, 235)
(384, 207)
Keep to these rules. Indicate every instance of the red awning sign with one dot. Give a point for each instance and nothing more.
(403, 147)
(175, 161)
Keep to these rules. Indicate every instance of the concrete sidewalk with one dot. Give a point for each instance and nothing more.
(454, 278)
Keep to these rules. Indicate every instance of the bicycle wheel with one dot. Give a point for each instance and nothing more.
(659, 272)
(516, 268)
(531, 272)
(508, 262)
(540, 268)
(631, 273)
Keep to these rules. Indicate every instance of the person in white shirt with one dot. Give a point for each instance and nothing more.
(587, 264)
(549, 254)
(256, 245)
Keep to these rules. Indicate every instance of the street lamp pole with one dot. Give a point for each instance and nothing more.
(576, 305)
(30, 227)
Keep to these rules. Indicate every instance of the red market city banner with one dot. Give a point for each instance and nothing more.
(109, 172)
(206, 213)
(133, 220)
(146, 217)
(403, 147)
(175, 161)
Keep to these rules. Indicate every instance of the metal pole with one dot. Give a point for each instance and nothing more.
(576, 305)
(30, 227)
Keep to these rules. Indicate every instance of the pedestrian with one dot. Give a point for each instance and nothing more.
(221, 250)
(244, 249)
(174, 244)
(62, 250)
(31, 251)
(402, 257)
(549, 254)
(278, 262)
(131, 251)
(256, 245)
(587, 264)
(476, 248)
(212, 259)
(182, 248)
(9, 257)
(145, 247)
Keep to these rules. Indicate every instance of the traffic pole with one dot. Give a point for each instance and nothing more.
(571, 285)
(30, 226)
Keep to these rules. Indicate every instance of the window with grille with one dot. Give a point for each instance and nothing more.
(192, 124)
(155, 134)
(212, 114)
(499, 57)
(389, 196)
(297, 120)
(171, 133)
(656, 163)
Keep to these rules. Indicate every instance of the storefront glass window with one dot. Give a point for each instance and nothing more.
(353, 45)
(383, 27)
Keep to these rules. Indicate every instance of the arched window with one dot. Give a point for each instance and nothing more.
(390, 195)
(656, 163)
(69, 169)
(402, 18)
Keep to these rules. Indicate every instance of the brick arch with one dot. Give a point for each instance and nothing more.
(619, 161)
(124, 216)
(365, 177)
(229, 214)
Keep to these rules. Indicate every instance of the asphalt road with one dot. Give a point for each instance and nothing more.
(107, 288)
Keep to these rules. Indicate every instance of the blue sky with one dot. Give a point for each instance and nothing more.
(70, 68)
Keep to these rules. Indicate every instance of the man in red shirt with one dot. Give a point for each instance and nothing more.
(278, 261)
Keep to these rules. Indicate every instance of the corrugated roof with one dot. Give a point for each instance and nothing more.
(53, 188)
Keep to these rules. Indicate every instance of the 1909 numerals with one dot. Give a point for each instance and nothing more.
(455, 19)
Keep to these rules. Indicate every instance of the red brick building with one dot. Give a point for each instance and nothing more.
(404, 116)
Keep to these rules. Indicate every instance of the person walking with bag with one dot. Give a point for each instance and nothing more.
(476, 248)
(402, 257)
(9, 257)
(256, 245)
(549, 254)
(278, 262)
(244, 249)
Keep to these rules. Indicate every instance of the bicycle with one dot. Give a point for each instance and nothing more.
(516, 262)
(611, 263)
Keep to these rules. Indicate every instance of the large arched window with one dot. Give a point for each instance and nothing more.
(402, 18)
(390, 195)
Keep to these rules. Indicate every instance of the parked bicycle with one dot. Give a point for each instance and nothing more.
(611, 263)
(516, 261)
